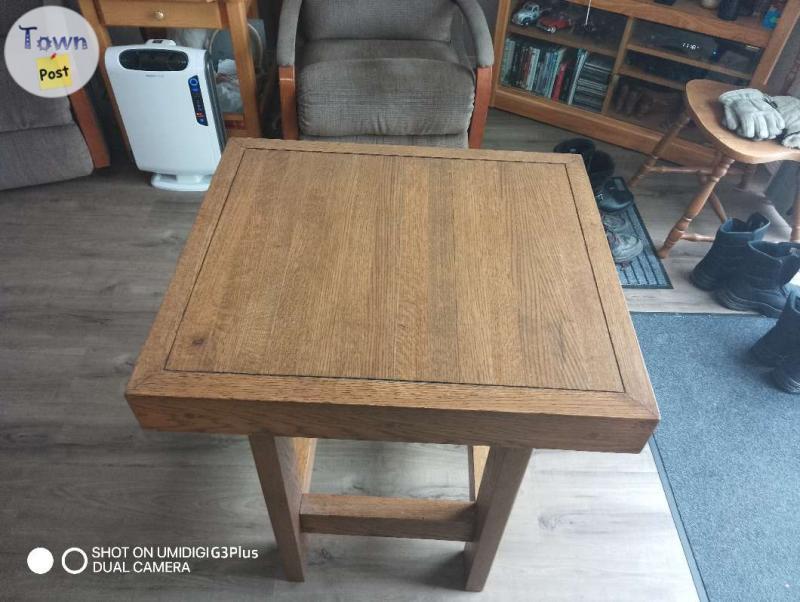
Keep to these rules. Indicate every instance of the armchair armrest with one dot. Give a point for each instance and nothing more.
(484, 54)
(287, 32)
(287, 41)
(476, 20)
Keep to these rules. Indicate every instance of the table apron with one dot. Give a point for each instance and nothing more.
(391, 423)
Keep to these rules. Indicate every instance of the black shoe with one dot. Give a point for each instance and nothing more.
(577, 146)
(614, 196)
(599, 165)
(728, 250)
(787, 375)
(760, 284)
(600, 170)
(783, 339)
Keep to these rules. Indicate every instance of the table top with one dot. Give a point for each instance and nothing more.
(397, 293)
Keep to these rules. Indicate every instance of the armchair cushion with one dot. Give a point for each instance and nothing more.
(446, 141)
(384, 97)
(348, 50)
(41, 155)
(368, 19)
(20, 110)
(11, 10)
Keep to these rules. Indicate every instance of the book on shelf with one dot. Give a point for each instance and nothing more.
(580, 59)
(531, 65)
(508, 59)
(560, 76)
(591, 83)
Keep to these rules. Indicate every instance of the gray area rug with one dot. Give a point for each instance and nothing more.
(646, 271)
(729, 450)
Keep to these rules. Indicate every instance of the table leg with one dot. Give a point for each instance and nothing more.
(240, 38)
(284, 469)
(89, 12)
(502, 476)
(476, 456)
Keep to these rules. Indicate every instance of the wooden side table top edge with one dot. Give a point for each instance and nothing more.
(150, 381)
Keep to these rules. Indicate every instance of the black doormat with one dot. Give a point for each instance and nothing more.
(646, 271)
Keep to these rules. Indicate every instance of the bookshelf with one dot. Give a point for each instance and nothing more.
(633, 54)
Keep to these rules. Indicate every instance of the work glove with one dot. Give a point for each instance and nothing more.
(789, 108)
(751, 115)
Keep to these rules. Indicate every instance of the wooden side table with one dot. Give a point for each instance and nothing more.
(210, 14)
(392, 293)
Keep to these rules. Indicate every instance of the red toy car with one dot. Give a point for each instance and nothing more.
(552, 24)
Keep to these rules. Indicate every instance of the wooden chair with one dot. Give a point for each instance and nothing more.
(703, 107)
(86, 118)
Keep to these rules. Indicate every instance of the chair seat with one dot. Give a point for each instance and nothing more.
(383, 88)
(702, 102)
(321, 51)
(445, 141)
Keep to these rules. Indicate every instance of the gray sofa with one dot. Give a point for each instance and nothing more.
(39, 141)
(387, 71)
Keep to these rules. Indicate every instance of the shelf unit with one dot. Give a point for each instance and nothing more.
(640, 133)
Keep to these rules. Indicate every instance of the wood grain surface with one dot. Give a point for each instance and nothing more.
(86, 118)
(387, 517)
(399, 268)
(277, 465)
(169, 13)
(480, 111)
(476, 460)
(505, 469)
(404, 278)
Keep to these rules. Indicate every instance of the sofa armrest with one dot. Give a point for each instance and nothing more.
(287, 32)
(481, 37)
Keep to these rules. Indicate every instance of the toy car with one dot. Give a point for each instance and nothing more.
(527, 15)
(552, 24)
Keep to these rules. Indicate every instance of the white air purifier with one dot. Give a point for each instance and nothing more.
(167, 100)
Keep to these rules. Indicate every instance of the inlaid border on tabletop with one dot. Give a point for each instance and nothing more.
(350, 408)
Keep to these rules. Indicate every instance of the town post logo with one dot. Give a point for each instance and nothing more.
(51, 51)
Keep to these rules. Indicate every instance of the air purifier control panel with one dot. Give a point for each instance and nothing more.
(197, 101)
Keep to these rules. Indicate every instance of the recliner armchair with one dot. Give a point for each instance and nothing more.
(383, 72)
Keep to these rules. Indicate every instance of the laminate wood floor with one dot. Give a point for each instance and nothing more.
(84, 266)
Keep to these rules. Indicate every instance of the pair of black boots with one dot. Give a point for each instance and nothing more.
(748, 273)
(780, 347)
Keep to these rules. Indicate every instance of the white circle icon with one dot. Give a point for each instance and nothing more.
(51, 51)
(40, 560)
(64, 561)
